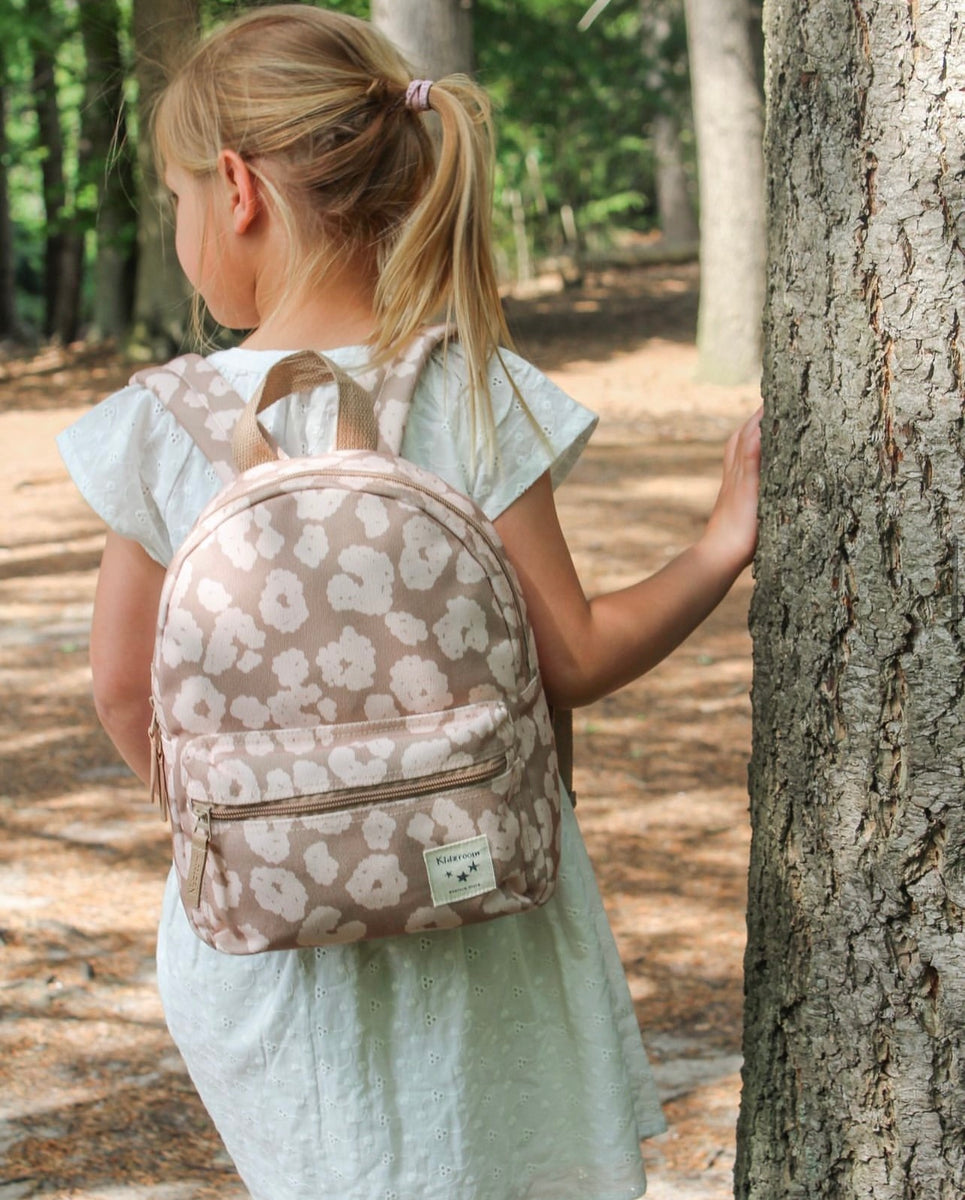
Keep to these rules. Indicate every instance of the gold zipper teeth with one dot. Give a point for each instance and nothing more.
(355, 797)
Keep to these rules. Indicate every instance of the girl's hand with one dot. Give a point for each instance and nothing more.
(588, 648)
(730, 537)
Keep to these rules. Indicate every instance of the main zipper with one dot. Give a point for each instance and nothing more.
(205, 814)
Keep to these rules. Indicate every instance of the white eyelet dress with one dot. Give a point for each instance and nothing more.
(497, 1062)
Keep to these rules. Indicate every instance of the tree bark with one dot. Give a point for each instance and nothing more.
(108, 165)
(728, 119)
(855, 971)
(161, 309)
(434, 36)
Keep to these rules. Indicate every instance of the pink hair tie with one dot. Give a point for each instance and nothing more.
(417, 95)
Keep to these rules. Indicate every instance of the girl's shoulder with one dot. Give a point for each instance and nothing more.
(537, 426)
(125, 455)
(144, 476)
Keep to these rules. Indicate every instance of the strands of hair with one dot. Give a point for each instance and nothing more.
(315, 102)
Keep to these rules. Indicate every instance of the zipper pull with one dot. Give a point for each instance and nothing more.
(158, 783)
(199, 854)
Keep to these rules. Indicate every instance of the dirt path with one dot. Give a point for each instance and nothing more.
(93, 1098)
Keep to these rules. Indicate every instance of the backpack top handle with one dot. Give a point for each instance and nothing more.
(301, 372)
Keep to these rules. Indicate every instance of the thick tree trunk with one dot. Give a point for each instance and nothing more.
(435, 36)
(728, 119)
(107, 163)
(855, 1021)
(161, 309)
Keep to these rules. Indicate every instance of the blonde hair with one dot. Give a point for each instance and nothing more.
(314, 101)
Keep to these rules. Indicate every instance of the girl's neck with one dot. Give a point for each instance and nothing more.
(340, 314)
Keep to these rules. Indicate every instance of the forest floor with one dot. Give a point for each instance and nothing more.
(94, 1101)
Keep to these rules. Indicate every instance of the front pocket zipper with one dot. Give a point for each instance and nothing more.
(401, 789)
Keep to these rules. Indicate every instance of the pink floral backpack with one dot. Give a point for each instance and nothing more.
(350, 732)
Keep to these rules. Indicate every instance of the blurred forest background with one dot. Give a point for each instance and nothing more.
(596, 154)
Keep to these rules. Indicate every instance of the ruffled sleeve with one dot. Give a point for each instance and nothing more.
(548, 433)
(125, 456)
(143, 475)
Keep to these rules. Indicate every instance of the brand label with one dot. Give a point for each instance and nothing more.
(460, 870)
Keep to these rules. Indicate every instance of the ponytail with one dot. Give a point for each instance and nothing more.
(321, 107)
(441, 257)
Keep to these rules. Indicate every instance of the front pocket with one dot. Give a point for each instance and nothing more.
(261, 768)
(282, 817)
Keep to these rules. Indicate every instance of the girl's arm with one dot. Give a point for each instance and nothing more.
(588, 649)
(121, 647)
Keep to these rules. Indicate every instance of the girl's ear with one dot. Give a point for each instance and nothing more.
(242, 189)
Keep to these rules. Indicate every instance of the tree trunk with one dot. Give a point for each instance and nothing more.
(161, 310)
(855, 971)
(434, 36)
(8, 296)
(108, 164)
(664, 48)
(63, 255)
(675, 212)
(727, 115)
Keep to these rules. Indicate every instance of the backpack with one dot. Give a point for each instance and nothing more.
(350, 734)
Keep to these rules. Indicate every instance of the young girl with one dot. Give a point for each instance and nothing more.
(493, 1062)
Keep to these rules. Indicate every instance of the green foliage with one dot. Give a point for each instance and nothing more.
(24, 158)
(572, 111)
(31, 31)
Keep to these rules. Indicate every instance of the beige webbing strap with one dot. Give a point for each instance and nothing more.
(302, 372)
(395, 392)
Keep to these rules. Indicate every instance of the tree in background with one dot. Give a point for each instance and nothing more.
(854, 1039)
(664, 46)
(66, 166)
(106, 169)
(162, 29)
(9, 325)
(729, 121)
(64, 245)
(434, 36)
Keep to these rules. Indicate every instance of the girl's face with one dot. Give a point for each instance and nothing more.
(207, 251)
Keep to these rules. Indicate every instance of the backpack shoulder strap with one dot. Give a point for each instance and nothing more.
(398, 383)
(202, 401)
(563, 733)
(392, 407)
